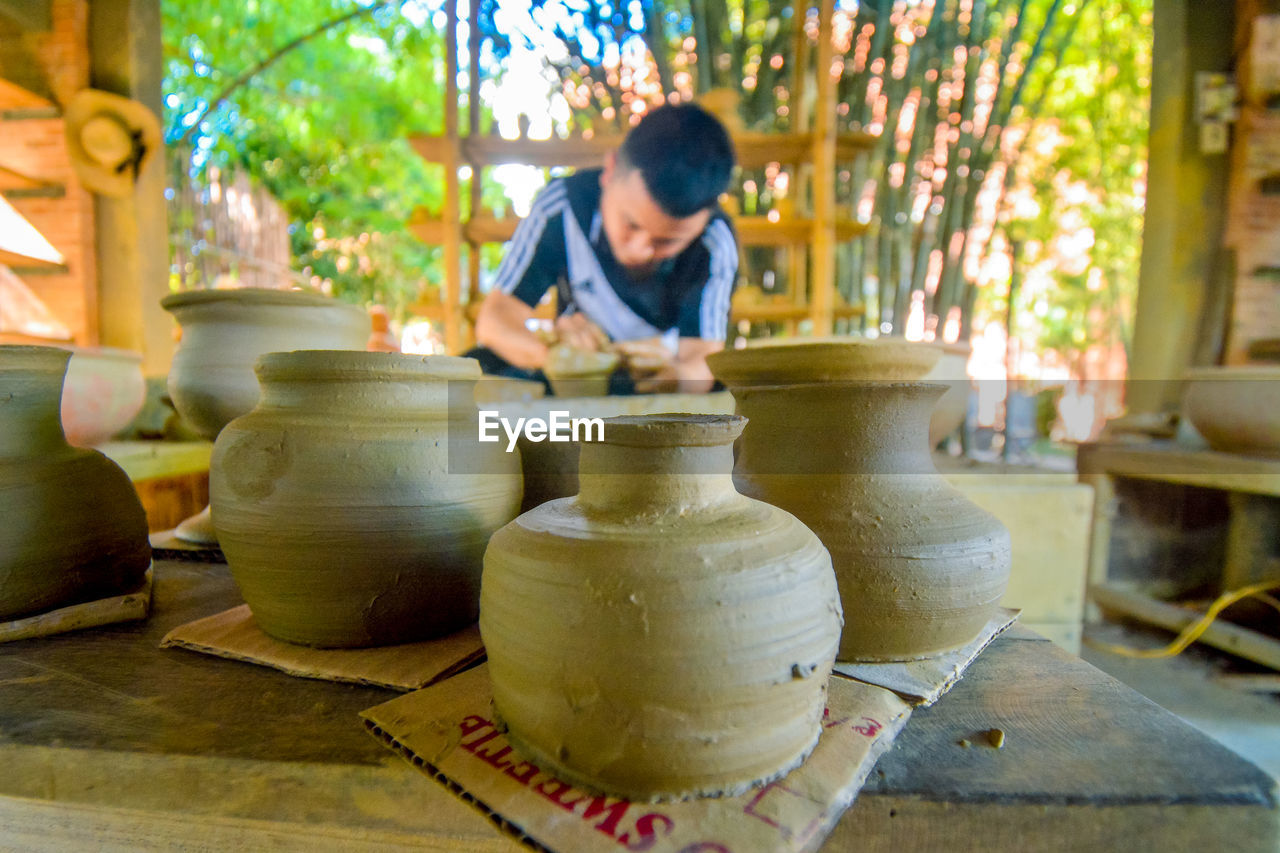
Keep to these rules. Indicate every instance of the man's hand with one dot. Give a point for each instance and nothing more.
(687, 372)
(575, 330)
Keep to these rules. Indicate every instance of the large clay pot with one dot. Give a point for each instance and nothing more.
(1236, 409)
(73, 528)
(103, 392)
(659, 635)
(223, 334)
(354, 503)
(921, 569)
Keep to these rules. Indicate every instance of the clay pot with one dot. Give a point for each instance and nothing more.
(73, 528)
(354, 502)
(223, 334)
(1236, 409)
(103, 393)
(659, 635)
(579, 373)
(921, 569)
(551, 468)
(774, 361)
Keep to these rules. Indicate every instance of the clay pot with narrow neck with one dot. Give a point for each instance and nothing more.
(921, 569)
(660, 635)
(224, 332)
(73, 528)
(355, 501)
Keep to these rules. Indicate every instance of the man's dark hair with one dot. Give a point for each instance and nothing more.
(684, 156)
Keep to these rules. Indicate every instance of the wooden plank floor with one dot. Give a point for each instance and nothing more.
(103, 732)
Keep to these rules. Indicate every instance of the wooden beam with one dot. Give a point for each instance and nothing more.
(452, 202)
(1238, 641)
(753, 150)
(822, 298)
(30, 15)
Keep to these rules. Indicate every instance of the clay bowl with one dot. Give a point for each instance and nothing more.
(103, 393)
(1236, 409)
(579, 373)
(790, 361)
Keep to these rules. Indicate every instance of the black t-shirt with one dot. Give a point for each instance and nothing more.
(562, 244)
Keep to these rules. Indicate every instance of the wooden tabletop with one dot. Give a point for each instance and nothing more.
(109, 742)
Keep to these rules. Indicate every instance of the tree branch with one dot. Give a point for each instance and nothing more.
(269, 60)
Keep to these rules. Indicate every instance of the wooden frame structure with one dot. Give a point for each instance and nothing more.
(810, 238)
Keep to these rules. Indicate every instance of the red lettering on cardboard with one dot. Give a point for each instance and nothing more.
(869, 728)
(472, 723)
(555, 790)
(494, 759)
(615, 812)
(647, 830)
(525, 775)
(472, 746)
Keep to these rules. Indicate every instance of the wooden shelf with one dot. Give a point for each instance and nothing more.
(785, 311)
(752, 230)
(753, 150)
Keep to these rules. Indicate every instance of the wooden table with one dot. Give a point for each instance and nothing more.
(1252, 486)
(108, 742)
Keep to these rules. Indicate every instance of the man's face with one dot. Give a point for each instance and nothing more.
(640, 234)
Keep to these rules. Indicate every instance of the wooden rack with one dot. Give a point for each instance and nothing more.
(810, 239)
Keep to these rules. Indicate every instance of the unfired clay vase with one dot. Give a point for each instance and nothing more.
(223, 334)
(921, 569)
(659, 635)
(71, 526)
(1236, 409)
(354, 503)
(103, 392)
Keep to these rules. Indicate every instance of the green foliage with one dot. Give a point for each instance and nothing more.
(324, 129)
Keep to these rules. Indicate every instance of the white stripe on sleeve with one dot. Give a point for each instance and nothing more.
(714, 307)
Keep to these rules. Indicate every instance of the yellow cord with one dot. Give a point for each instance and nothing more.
(1192, 632)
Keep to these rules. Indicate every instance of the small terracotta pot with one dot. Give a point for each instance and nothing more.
(659, 635)
(1236, 409)
(73, 528)
(224, 332)
(354, 503)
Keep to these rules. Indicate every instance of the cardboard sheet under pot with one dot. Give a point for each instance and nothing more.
(72, 527)
(223, 334)
(659, 635)
(354, 502)
(921, 568)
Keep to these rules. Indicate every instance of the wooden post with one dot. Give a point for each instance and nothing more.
(822, 306)
(452, 207)
(801, 193)
(133, 232)
(477, 169)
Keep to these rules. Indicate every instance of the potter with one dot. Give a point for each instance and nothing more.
(659, 635)
(558, 427)
(642, 260)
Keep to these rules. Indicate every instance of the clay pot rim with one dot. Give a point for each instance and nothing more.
(830, 358)
(675, 429)
(357, 365)
(253, 296)
(845, 384)
(113, 353)
(33, 357)
(1233, 372)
